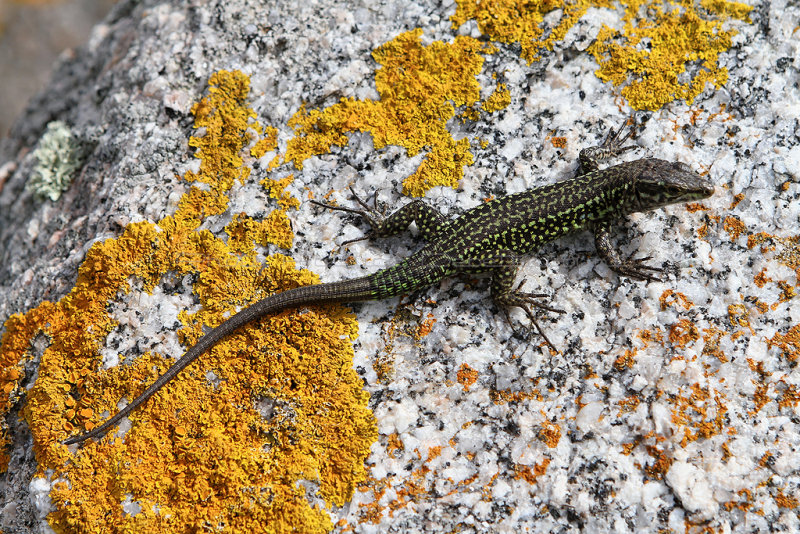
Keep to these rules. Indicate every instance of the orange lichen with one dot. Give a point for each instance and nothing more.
(467, 376)
(383, 365)
(790, 396)
(703, 412)
(786, 501)
(549, 433)
(420, 88)
(738, 316)
(629, 404)
(745, 504)
(726, 452)
(671, 297)
(625, 360)
(205, 456)
(662, 463)
(651, 336)
(524, 472)
(695, 414)
(761, 278)
(371, 512)
(683, 332)
(736, 200)
(383, 362)
(711, 347)
(788, 343)
(760, 398)
(788, 247)
(503, 396)
(589, 371)
(788, 292)
(394, 444)
(734, 226)
(425, 326)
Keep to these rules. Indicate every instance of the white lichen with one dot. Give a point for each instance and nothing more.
(57, 160)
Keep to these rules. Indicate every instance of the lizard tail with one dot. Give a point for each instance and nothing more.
(344, 291)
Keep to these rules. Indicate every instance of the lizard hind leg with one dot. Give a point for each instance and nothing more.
(503, 265)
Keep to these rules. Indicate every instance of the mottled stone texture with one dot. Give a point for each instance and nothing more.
(670, 405)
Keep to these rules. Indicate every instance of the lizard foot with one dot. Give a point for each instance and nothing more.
(374, 214)
(635, 268)
(520, 299)
(612, 146)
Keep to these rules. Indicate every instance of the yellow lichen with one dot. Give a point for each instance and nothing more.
(420, 88)
(287, 406)
(652, 74)
(277, 190)
(512, 21)
(15, 349)
(268, 142)
(649, 58)
(736, 10)
(499, 99)
(246, 232)
(226, 120)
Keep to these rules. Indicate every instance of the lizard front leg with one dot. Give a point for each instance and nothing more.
(590, 158)
(429, 220)
(635, 268)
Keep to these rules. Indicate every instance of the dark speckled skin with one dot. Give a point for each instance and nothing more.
(494, 236)
(490, 238)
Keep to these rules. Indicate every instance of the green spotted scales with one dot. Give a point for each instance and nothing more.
(490, 238)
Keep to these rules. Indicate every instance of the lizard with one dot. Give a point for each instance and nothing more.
(492, 238)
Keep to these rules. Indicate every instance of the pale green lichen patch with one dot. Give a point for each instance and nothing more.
(57, 161)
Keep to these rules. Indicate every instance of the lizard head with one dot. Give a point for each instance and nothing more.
(660, 183)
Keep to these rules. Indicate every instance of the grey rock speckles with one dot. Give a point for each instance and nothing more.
(472, 450)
